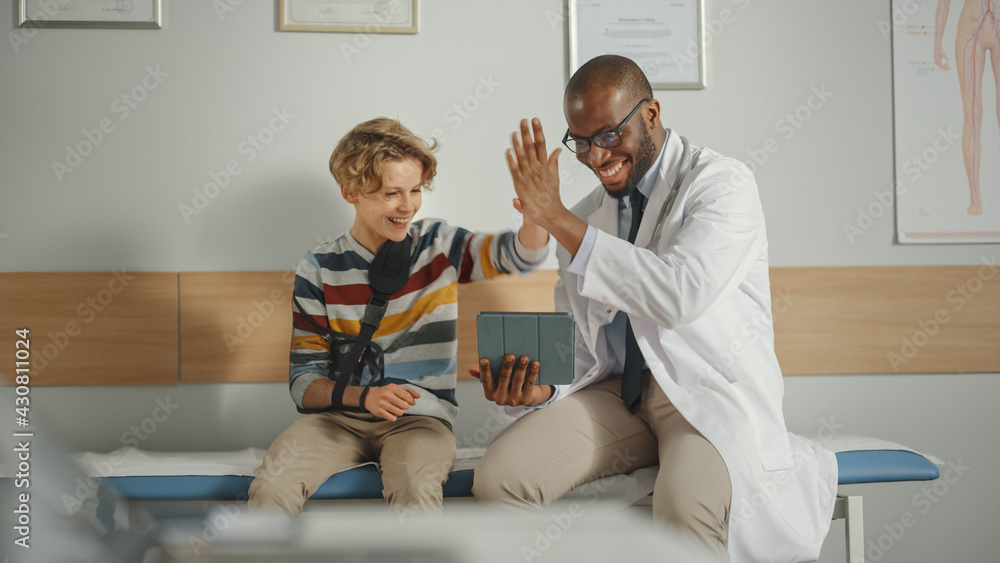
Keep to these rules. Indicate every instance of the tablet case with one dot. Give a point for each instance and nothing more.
(547, 337)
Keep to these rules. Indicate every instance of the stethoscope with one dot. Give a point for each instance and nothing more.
(668, 203)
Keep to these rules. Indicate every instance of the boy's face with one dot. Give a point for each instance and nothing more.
(387, 213)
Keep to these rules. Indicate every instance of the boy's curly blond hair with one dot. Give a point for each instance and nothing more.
(357, 161)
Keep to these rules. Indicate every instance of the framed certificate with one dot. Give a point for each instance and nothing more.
(349, 16)
(136, 14)
(665, 39)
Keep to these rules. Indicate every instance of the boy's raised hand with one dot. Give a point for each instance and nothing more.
(389, 401)
(514, 386)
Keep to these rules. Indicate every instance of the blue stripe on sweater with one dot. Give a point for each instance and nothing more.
(341, 261)
(305, 288)
(507, 242)
(457, 246)
(418, 369)
(425, 241)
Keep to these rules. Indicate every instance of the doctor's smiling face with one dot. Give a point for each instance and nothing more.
(602, 110)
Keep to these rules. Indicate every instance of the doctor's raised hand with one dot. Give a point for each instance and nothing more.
(535, 173)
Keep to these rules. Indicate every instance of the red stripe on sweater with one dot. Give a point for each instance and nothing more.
(359, 294)
(465, 275)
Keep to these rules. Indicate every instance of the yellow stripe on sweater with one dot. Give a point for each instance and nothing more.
(311, 342)
(394, 323)
(484, 258)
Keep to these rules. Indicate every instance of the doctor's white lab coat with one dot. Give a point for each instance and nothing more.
(700, 306)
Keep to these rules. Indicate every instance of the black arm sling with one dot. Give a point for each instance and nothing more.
(356, 360)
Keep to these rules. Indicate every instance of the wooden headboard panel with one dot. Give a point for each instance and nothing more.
(111, 328)
(236, 326)
(892, 319)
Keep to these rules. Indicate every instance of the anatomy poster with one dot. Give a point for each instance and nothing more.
(946, 69)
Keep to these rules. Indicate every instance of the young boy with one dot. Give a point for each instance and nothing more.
(406, 423)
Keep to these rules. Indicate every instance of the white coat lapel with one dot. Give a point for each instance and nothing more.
(605, 217)
(669, 169)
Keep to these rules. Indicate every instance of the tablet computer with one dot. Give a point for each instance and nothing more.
(549, 338)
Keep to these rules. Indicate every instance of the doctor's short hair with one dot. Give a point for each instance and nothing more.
(358, 159)
(610, 70)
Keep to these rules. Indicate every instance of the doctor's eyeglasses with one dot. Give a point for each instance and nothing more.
(605, 140)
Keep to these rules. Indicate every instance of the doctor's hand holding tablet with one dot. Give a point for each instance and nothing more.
(513, 387)
(522, 355)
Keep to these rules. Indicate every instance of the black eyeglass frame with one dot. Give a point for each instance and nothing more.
(592, 140)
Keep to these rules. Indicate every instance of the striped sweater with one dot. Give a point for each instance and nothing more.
(419, 330)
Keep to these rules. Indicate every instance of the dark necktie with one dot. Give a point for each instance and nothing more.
(632, 376)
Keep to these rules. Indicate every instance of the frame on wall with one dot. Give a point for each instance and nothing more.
(354, 16)
(666, 39)
(114, 14)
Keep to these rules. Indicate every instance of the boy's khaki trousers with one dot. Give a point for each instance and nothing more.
(415, 454)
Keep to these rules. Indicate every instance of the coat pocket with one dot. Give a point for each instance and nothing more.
(768, 423)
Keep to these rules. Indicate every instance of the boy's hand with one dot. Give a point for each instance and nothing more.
(514, 387)
(389, 401)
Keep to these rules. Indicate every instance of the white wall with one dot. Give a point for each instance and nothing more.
(225, 78)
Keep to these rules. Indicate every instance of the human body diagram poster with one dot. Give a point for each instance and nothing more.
(946, 69)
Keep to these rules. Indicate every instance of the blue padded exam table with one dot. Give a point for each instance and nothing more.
(365, 482)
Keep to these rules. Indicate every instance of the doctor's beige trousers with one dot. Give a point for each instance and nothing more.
(590, 435)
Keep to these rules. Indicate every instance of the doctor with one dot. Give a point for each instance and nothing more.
(675, 362)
